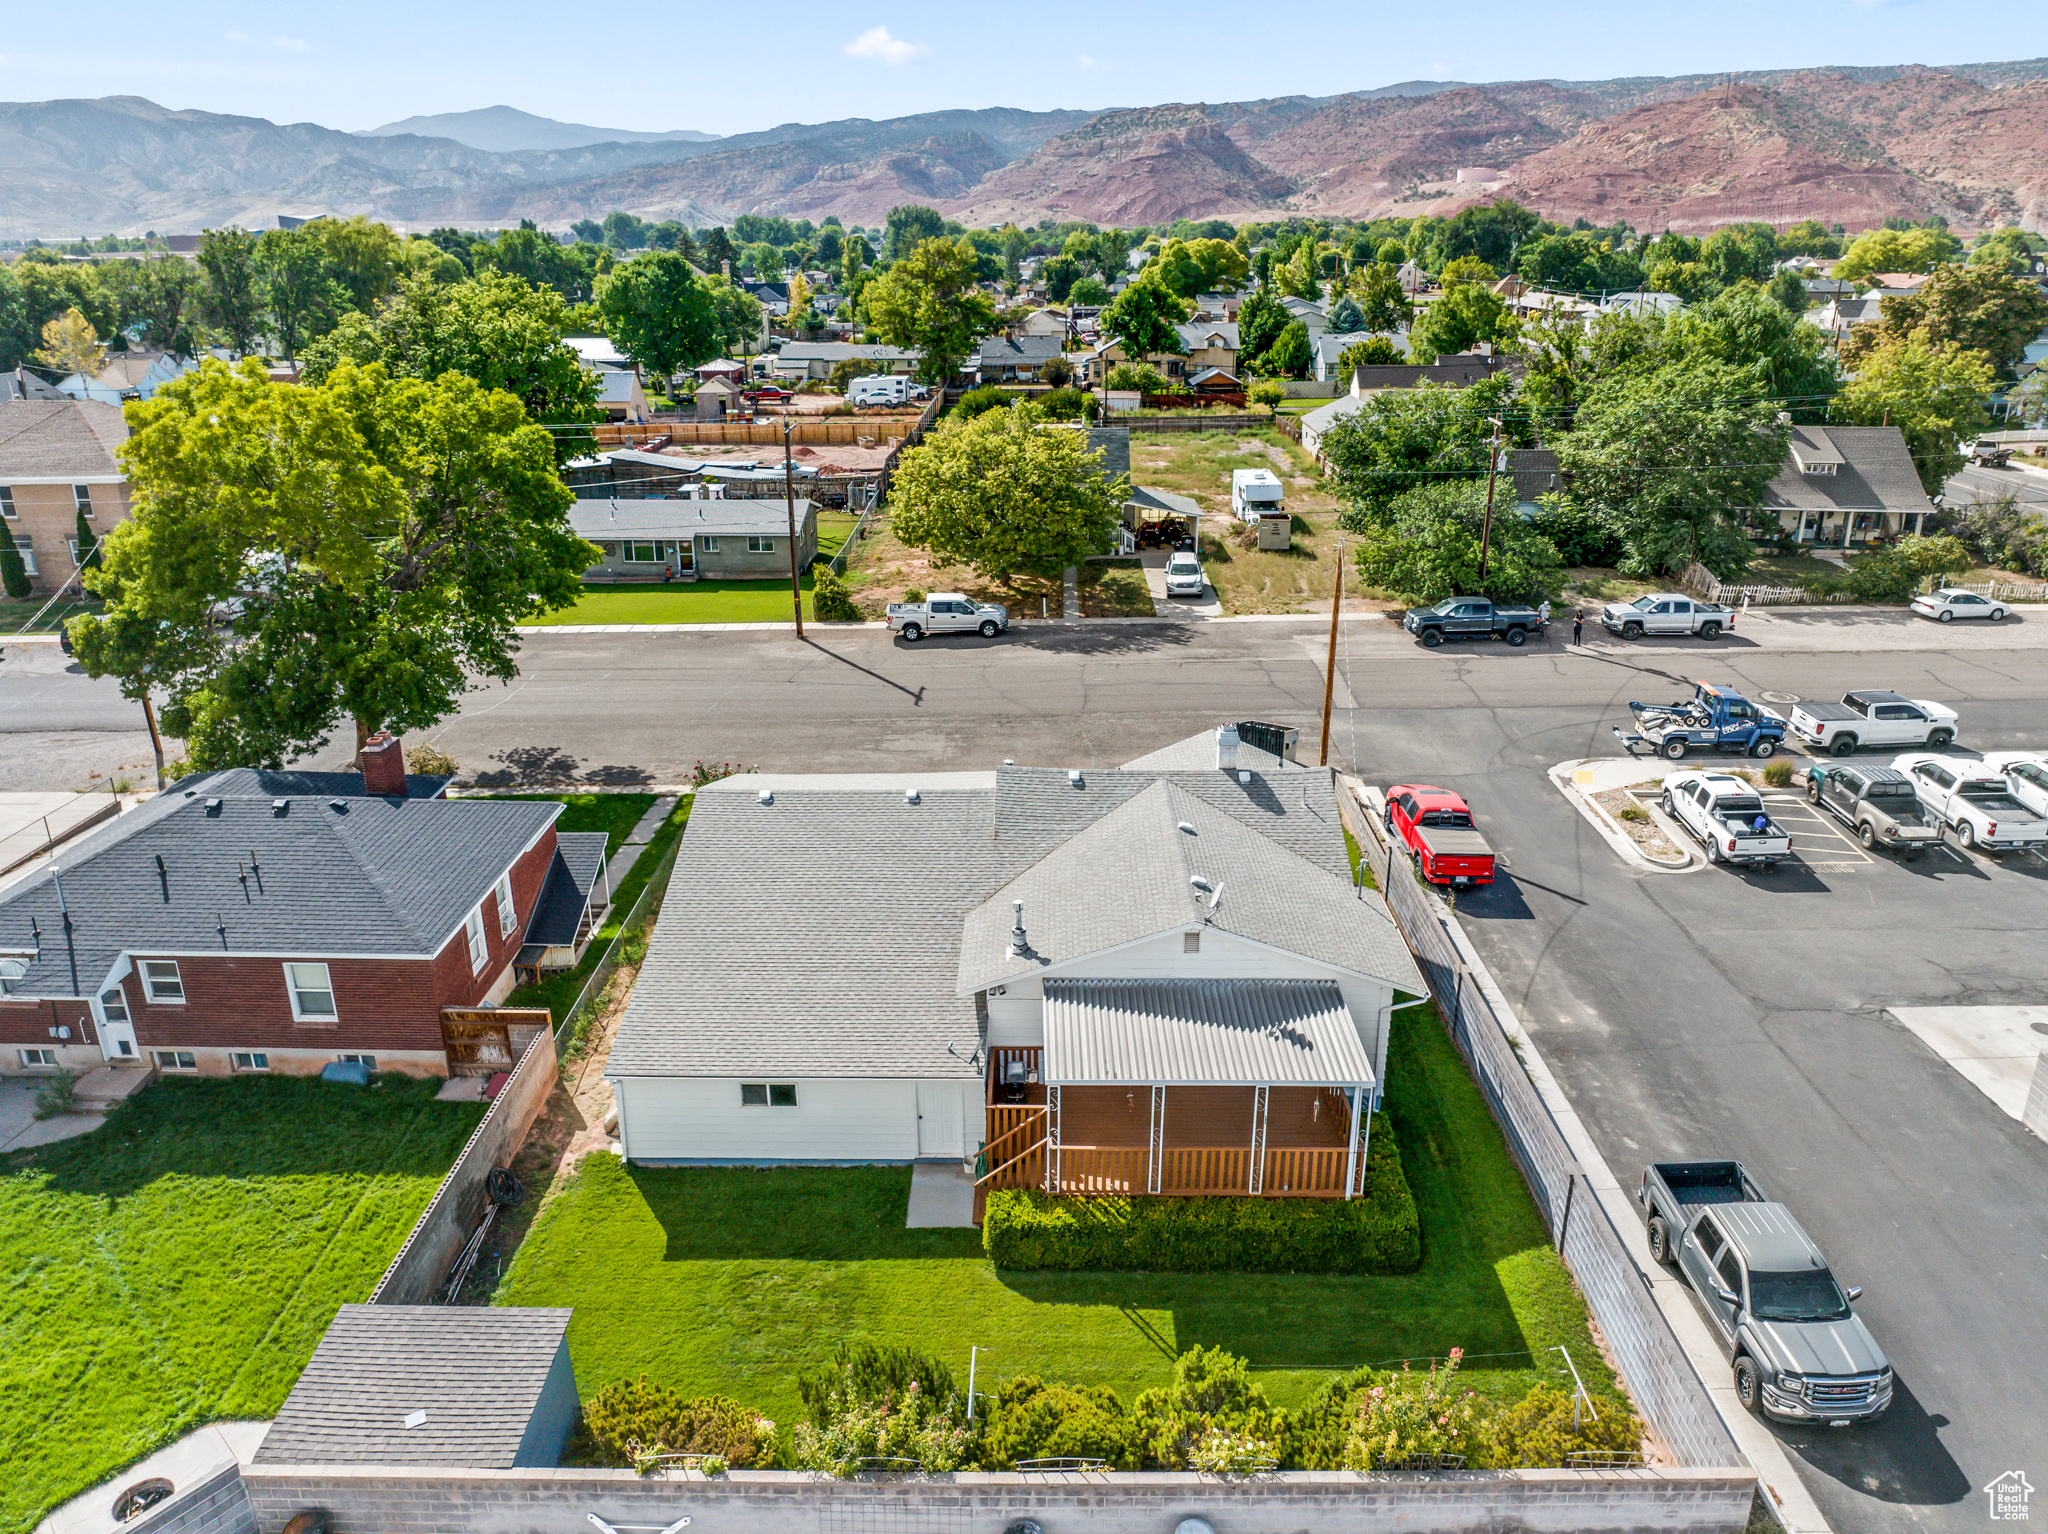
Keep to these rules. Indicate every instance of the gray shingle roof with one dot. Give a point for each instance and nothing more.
(1129, 876)
(821, 934)
(736, 516)
(40, 439)
(579, 855)
(477, 1374)
(1876, 472)
(844, 351)
(373, 876)
(1114, 443)
(999, 351)
(1202, 1031)
(268, 783)
(1536, 472)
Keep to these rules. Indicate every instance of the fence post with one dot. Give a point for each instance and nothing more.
(1564, 1221)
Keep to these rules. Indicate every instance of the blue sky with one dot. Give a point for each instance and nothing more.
(734, 68)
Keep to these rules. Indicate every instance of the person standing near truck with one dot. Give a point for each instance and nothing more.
(1578, 624)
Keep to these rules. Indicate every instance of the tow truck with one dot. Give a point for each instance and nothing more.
(1714, 718)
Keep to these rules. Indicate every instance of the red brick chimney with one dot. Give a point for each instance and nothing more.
(384, 765)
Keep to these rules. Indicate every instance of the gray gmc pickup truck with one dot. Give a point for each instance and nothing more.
(1800, 1353)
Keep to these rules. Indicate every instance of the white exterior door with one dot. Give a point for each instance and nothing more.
(116, 1031)
(938, 1119)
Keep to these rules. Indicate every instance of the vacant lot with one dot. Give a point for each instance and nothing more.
(177, 1265)
(730, 1281)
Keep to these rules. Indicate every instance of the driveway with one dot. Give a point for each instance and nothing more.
(1207, 605)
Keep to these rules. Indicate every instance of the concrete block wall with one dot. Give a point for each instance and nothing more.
(217, 1505)
(409, 1500)
(445, 1225)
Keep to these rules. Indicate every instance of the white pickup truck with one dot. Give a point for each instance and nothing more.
(1872, 718)
(947, 612)
(2026, 775)
(1726, 816)
(1975, 802)
(1667, 612)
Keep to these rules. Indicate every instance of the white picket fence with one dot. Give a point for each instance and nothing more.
(1703, 584)
(2006, 591)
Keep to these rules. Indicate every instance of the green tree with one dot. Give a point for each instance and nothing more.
(738, 314)
(1670, 458)
(160, 298)
(1298, 278)
(1787, 292)
(927, 302)
(1742, 327)
(1396, 439)
(302, 299)
(1088, 291)
(71, 345)
(1897, 250)
(1112, 252)
(1144, 320)
(1006, 493)
(13, 569)
(1373, 351)
(1015, 244)
(1271, 393)
(1426, 547)
(905, 228)
(496, 330)
(362, 255)
(232, 303)
(1964, 308)
(1260, 319)
(1466, 314)
(2005, 250)
(1467, 269)
(1291, 354)
(1345, 317)
(1136, 378)
(1934, 395)
(384, 536)
(656, 307)
(718, 249)
(536, 259)
(83, 535)
(1383, 305)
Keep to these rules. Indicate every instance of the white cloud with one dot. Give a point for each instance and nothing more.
(876, 43)
(294, 45)
(1092, 66)
(237, 38)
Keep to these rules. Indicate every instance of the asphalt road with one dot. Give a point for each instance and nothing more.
(1974, 484)
(1705, 1014)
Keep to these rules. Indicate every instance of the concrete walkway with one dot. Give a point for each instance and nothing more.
(20, 1128)
(941, 1196)
(621, 862)
(1070, 592)
(1996, 1049)
(198, 1466)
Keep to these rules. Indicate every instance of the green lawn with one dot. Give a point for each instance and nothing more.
(18, 617)
(177, 1265)
(613, 814)
(730, 1281)
(706, 601)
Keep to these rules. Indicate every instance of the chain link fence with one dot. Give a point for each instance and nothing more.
(569, 1030)
(1661, 1379)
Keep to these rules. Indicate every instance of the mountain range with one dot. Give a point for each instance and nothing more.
(1852, 145)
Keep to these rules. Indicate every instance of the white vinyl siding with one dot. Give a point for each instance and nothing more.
(312, 992)
(479, 945)
(508, 914)
(668, 1118)
(164, 984)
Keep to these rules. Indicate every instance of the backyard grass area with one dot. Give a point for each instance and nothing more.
(682, 602)
(558, 992)
(729, 1281)
(1113, 588)
(177, 1265)
(613, 814)
(20, 616)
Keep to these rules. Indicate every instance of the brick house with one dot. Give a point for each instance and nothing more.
(56, 460)
(277, 921)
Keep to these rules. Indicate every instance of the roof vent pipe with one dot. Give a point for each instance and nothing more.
(1226, 748)
(1018, 944)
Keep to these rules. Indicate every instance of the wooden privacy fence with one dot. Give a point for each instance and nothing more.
(840, 431)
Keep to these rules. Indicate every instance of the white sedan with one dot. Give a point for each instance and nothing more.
(1947, 605)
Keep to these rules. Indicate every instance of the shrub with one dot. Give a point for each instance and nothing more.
(1212, 1417)
(629, 1420)
(430, 760)
(13, 570)
(1408, 1414)
(1066, 405)
(980, 401)
(1378, 1233)
(831, 599)
(1536, 1432)
(702, 772)
(1631, 812)
(56, 1095)
(863, 1374)
(1581, 537)
(1779, 773)
(1027, 1419)
(906, 1428)
(1139, 376)
(1058, 372)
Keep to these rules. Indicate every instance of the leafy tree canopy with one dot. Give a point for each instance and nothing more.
(1425, 546)
(1976, 309)
(907, 227)
(1897, 250)
(1466, 314)
(1144, 320)
(1395, 441)
(1934, 395)
(657, 309)
(1006, 493)
(927, 302)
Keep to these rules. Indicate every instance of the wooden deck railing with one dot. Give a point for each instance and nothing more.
(1004, 1119)
(1188, 1171)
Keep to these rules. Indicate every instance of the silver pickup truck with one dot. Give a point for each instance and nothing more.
(1800, 1353)
(947, 612)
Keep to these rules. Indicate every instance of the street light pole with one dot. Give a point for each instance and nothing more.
(796, 590)
(1486, 528)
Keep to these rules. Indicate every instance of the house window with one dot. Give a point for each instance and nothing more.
(114, 1005)
(246, 1060)
(755, 1095)
(760, 545)
(38, 1058)
(27, 550)
(711, 545)
(1191, 942)
(162, 982)
(176, 1060)
(508, 914)
(7, 503)
(1817, 468)
(367, 1062)
(479, 945)
(645, 553)
(82, 496)
(312, 992)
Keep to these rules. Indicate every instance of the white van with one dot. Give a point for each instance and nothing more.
(879, 389)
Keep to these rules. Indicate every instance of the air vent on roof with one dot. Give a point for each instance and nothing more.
(910, 796)
(415, 1419)
(339, 806)
(766, 796)
(280, 806)
(1199, 882)
(1074, 776)
(1188, 826)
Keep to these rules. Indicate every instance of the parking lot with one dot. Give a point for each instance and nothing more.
(1722, 1012)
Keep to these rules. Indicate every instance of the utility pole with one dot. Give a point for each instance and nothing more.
(796, 590)
(1330, 669)
(1486, 528)
(156, 741)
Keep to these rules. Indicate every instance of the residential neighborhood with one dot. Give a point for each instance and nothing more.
(1000, 819)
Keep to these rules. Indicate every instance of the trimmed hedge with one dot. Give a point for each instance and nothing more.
(1378, 1233)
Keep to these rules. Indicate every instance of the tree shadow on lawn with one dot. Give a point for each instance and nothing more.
(260, 1126)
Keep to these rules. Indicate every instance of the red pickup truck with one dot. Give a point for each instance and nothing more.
(1435, 825)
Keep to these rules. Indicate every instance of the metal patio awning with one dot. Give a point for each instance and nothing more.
(1202, 1032)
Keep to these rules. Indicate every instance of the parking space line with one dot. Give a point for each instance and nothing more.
(1791, 808)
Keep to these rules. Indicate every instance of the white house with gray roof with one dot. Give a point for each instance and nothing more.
(1160, 977)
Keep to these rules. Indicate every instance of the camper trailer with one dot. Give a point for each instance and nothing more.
(1257, 497)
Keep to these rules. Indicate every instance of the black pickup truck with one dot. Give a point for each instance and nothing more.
(1470, 617)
